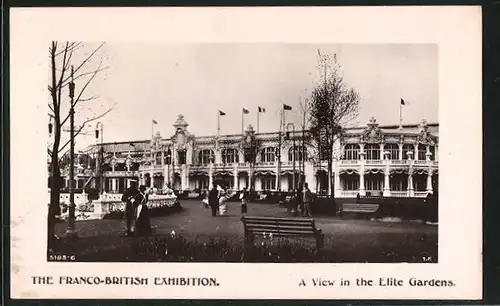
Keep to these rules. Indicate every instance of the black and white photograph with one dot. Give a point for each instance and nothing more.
(243, 152)
(246, 153)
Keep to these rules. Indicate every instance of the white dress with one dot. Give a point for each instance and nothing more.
(222, 206)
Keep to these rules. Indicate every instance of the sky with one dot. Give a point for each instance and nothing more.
(145, 82)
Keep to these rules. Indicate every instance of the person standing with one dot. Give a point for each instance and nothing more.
(129, 197)
(222, 202)
(213, 200)
(143, 221)
(307, 200)
(244, 200)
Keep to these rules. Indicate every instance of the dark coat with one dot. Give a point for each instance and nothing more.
(213, 197)
(128, 195)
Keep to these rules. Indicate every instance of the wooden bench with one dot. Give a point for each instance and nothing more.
(358, 208)
(281, 227)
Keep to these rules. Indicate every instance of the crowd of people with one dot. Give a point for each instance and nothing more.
(216, 200)
(137, 217)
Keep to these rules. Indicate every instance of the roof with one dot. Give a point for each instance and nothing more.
(145, 145)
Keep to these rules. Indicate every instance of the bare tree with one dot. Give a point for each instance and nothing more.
(65, 68)
(333, 104)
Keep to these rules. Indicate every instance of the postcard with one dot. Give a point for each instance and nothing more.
(246, 153)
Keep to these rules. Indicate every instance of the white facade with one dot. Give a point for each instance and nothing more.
(370, 160)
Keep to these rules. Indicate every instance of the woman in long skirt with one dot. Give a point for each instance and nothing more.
(143, 222)
(222, 204)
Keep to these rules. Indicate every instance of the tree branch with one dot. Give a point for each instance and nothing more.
(83, 125)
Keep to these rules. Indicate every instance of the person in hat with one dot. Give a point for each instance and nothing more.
(244, 195)
(213, 199)
(129, 197)
(142, 218)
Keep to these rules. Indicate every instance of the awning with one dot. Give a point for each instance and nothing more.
(348, 171)
(223, 173)
(264, 172)
(198, 173)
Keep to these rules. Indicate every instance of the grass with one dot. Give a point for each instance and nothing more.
(346, 240)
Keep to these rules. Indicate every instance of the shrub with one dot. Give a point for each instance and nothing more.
(176, 248)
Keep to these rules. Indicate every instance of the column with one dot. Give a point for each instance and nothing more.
(250, 170)
(411, 192)
(381, 151)
(277, 176)
(401, 157)
(235, 176)
(362, 191)
(166, 176)
(415, 155)
(387, 186)
(210, 175)
(337, 179)
(186, 175)
(113, 185)
(128, 183)
(162, 158)
(429, 180)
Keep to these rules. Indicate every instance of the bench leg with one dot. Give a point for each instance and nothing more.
(320, 241)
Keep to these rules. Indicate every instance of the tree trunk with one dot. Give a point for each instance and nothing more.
(55, 191)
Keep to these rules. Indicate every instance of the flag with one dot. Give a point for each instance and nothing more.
(287, 107)
(402, 101)
(245, 111)
(221, 113)
(155, 122)
(132, 145)
(262, 110)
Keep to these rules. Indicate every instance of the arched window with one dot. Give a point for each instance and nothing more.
(351, 152)
(299, 154)
(230, 156)
(268, 154)
(168, 157)
(422, 150)
(204, 156)
(407, 148)
(393, 150)
(372, 151)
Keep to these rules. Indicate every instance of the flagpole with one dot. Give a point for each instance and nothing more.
(400, 116)
(152, 129)
(258, 113)
(242, 119)
(218, 122)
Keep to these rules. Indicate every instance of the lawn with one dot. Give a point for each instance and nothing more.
(351, 240)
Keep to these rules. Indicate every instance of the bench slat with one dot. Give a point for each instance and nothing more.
(279, 228)
(270, 219)
(283, 233)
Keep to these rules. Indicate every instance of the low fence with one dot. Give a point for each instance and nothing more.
(402, 207)
(111, 204)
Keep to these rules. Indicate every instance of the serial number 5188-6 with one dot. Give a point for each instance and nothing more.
(63, 257)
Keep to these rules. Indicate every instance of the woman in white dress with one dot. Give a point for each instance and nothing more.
(222, 203)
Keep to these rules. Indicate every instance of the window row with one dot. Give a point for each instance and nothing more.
(372, 151)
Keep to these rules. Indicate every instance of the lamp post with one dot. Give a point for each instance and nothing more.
(99, 129)
(71, 232)
(293, 150)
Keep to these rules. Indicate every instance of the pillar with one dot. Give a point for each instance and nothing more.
(381, 151)
(235, 177)
(277, 174)
(401, 157)
(186, 175)
(128, 182)
(387, 186)
(411, 192)
(113, 184)
(362, 191)
(429, 179)
(210, 175)
(337, 179)
(166, 176)
(250, 174)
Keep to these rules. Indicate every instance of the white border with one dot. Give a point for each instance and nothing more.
(457, 31)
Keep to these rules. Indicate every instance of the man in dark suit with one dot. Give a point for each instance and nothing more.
(129, 197)
(213, 199)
